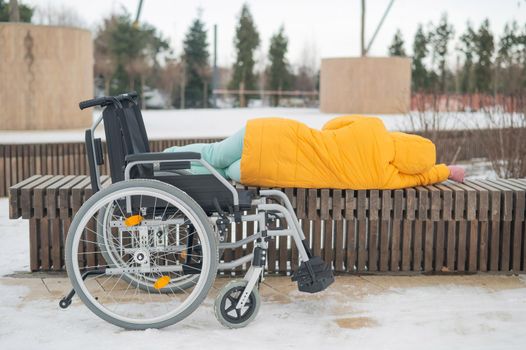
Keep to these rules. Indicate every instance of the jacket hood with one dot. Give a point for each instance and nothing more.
(413, 154)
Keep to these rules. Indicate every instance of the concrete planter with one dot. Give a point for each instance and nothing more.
(368, 85)
(44, 72)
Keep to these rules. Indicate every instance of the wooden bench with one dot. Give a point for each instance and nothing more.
(463, 228)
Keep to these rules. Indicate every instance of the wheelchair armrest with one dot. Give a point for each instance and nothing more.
(162, 156)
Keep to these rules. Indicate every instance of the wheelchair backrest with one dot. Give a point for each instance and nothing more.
(125, 134)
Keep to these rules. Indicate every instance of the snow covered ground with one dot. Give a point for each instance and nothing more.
(368, 312)
(195, 123)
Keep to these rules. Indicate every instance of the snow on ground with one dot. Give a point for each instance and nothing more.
(14, 242)
(348, 316)
(196, 123)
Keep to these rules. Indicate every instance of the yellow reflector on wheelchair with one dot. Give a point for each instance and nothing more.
(133, 220)
(161, 282)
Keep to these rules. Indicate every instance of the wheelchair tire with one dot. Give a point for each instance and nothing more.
(225, 301)
(89, 290)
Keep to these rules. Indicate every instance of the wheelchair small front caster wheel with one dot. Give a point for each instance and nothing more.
(64, 303)
(226, 301)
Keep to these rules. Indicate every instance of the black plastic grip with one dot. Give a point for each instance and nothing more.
(100, 101)
(128, 95)
(106, 100)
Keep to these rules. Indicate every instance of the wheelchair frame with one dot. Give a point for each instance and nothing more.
(313, 274)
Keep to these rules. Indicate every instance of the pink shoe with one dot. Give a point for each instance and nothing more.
(456, 173)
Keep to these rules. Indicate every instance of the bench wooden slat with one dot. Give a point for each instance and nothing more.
(419, 232)
(327, 225)
(15, 210)
(3, 188)
(505, 246)
(39, 196)
(519, 217)
(84, 188)
(351, 244)
(284, 255)
(361, 208)
(324, 204)
(494, 232)
(312, 212)
(339, 264)
(350, 204)
(479, 227)
(457, 245)
(77, 194)
(300, 203)
(471, 216)
(313, 215)
(337, 207)
(56, 243)
(518, 207)
(396, 230)
(384, 230)
(51, 195)
(45, 243)
(271, 252)
(374, 206)
(34, 262)
(27, 196)
(407, 228)
(64, 195)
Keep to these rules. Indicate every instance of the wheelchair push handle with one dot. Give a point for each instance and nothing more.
(107, 100)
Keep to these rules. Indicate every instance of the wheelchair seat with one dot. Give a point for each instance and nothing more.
(205, 188)
(127, 141)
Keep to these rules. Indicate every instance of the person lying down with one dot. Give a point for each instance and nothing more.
(350, 152)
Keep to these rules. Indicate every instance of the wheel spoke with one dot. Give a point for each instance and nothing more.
(100, 238)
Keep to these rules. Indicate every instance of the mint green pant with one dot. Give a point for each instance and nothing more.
(224, 156)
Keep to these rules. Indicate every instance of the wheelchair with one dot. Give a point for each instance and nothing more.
(144, 251)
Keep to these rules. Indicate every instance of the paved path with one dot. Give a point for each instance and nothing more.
(346, 290)
(359, 312)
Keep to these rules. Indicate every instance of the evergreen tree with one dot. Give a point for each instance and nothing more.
(467, 43)
(484, 49)
(132, 51)
(440, 39)
(246, 41)
(509, 74)
(397, 45)
(507, 53)
(25, 12)
(197, 71)
(278, 73)
(419, 74)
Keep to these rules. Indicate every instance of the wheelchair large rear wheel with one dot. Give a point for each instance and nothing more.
(144, 255)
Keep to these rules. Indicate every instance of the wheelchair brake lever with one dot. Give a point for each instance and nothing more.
(223, 222)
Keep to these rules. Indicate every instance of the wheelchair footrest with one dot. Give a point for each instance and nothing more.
(313, 275)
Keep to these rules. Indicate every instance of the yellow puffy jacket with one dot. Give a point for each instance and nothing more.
(351, 152)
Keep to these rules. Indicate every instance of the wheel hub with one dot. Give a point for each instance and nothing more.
(141, 256)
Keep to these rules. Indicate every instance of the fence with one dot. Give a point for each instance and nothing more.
(20, 161)
(466, 102)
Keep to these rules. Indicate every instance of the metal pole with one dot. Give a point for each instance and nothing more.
(14, 12)
(215, 73)
(363, 52)
(139, 8)
(380, 25)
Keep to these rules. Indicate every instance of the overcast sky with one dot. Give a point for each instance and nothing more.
(323, 28)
